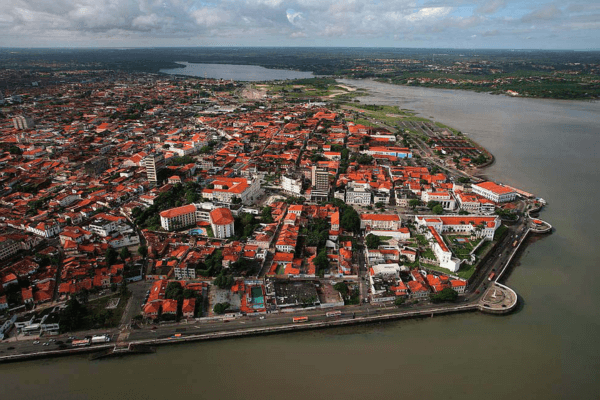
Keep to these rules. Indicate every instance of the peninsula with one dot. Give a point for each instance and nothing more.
(144, 209)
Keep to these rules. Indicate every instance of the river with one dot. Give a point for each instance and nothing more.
(247, 73)
(546, 350)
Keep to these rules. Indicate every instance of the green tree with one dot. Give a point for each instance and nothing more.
(143, 251)
(446, 295)
(432, 203)
(266, 215)
(321, 261)
(123, 291)
(223, 281)
(399, 301)
(342, 288)
(125, 254)
(220, 308)
(111, 256)
(174, 290)
(438, 209)
(413, 203)
(372, 241)
(350, 220)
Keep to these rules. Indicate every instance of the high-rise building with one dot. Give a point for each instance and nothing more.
(320, 178)
(154, 163)
(23, 122)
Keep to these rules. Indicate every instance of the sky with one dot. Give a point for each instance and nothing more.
(497, 24)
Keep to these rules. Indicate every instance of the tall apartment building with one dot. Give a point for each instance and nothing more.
(23, 122)
(320, 178)
(154, 163)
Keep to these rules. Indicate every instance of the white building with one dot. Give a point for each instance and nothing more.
(178, 217)
(441, 251)
(291, 184)
(444, 198)
(494, 192)
(222, 223)
(380, 221)
(358, 193)
(480, 226)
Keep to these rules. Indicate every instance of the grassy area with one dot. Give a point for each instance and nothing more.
(422, 240)
(483, 248)
(461, 250)
(500, 232)
(97, 307)
(464, 272)
(428, 253)
(280, 270)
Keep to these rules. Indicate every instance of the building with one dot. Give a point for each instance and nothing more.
(226, 190)
(384, 222)
(95, 166)
(22, 122)
(358, 194)
(392, 151)
(154, 163)
(444, 198)
(178, 217)
(467, 224)
(292, 184)
(222, 223)
(494, 192)
(441, 251)
(320, 178)
(8, 247)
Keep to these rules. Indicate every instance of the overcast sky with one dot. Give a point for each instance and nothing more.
(539, 24)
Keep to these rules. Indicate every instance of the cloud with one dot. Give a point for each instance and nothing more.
(370, 22)
(491, 7)
(546, 13)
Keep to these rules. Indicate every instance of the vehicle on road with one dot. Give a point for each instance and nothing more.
(36, 342)
(492, 276)
(80, 343)
(299, 319)
(100, 339)
(333, 314)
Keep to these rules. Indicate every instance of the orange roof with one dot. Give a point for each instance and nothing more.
(221, 216)
(494, 187)
(380, 217)
(176, 212)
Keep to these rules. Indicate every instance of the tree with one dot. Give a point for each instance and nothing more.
(223, 281)
(123, 291)
(432, 203)
(111, 256)
(266, 215)
(350, 220)
(125, 254)
(342, 288)
(220, 308)
(438, 209)
(372, 241)
(321, 261)
(174, 291)
(446, 295)
(143, 251)
(413, 203)
(72, 317)
(399, 301)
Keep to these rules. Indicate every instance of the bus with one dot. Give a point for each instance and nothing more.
(299, 319)
(333, 314)
(492, 276)
(81, 342)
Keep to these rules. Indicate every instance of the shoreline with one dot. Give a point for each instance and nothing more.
(429, 312)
